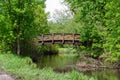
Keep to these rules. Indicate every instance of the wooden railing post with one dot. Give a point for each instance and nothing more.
(73, 39)
(42, 39)
(53, 38)
(63, 38)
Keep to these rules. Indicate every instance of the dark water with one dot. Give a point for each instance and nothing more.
(57, 61)
(61, 63)
(108, 74)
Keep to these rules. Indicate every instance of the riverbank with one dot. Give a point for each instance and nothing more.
(23, 68)
(87, 63)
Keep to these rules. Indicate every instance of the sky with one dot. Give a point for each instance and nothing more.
(52, 5)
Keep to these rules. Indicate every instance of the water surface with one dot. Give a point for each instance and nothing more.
(64, 63)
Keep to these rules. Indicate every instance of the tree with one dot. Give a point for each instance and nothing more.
(25, 20)
(63, 22)
(89, 14)
(112, 19)
(6, 33)
(62, 16)
(99, 25)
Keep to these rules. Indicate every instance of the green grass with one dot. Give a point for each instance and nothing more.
(25, 69)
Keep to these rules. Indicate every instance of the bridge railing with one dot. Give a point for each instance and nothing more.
(57, 38)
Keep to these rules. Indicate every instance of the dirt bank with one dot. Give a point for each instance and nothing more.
(89, 64)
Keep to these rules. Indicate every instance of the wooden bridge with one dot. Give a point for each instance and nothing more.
(58, 38)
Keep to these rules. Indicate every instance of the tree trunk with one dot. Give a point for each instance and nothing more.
(18, 44)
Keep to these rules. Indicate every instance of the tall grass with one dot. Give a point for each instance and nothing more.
(25, 69)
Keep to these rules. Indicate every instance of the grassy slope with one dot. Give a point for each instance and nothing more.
(25, 69)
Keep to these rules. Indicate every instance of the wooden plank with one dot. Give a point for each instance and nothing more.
(47, 37)
(58, 37)
(60, 42)
(68, 37)
(77, 37)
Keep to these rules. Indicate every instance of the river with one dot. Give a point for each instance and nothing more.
(63, 63)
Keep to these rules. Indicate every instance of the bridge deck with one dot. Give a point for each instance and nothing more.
(59, 39)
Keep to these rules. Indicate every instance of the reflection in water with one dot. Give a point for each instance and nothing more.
(108, 74)
(57, 61)
(60, 62)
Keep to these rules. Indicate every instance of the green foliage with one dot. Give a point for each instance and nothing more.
(5, 28)
(100, 27)
(112, 44)
(48, 49)
(25, 69)
(69, 26)
(68, 50)
(21, 20)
